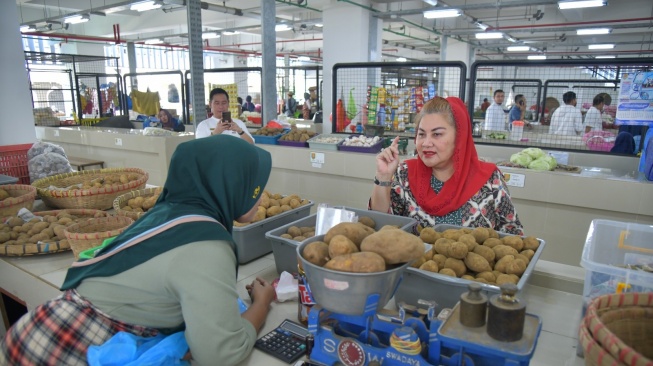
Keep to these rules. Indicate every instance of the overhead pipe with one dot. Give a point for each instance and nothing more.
(602, 22)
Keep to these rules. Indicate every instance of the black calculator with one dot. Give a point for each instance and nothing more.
(287, 342)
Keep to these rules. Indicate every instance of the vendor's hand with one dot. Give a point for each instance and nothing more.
(387, 161)
(261, 290)
(220, 128)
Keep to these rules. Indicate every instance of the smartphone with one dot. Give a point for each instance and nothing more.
(226, 117)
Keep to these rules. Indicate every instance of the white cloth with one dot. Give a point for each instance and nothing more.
(495, 118)
(593, 119)
(566, 120)
(205, 127)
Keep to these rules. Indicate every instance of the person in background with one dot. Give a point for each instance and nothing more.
(593, 120)
(248, 106)
(306, 107)
(180, 277)
(485, 105)
(168, 122)
(290, 105)
(624, 144)
(241, 109)
(495, 117)
(517, 111)
(567, 119)
(446, 183)
(219, 102)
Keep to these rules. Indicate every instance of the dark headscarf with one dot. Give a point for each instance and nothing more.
(624, 144)
(219, 177)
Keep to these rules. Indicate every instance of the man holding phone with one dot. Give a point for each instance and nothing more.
(517, 111)
(221, 121)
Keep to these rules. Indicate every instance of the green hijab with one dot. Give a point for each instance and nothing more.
(220, 177)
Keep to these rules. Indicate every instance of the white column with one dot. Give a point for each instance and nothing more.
(455, 50)
(17, 122)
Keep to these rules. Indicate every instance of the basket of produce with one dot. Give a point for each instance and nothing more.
(94, 189)
(297, 137)
(135, 203)
(91, 233)
(325, 142)
(268, 135)
(13, 197)
(618, 330)
(362, 144)
(353, 261)
(42, 233)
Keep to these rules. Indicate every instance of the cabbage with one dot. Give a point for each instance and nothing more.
(551, 160)
(534, 152)
(540, 164)
(521, 159)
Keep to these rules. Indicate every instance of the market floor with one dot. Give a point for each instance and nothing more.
(560, 313)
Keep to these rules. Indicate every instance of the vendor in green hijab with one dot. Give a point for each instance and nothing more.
(174, 269)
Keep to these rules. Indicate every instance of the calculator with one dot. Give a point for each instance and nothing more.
(287, 342)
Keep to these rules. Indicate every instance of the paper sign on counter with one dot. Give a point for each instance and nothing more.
(317, 159)
(514, 180)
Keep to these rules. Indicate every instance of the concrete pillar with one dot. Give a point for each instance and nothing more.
(196, 56)
(131, 59)
(17, 122)
(454, 50)
(269, 59)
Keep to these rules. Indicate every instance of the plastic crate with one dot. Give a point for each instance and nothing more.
(293, 143)
(610, 245)
(285, 250)
(446, 290)
(360, 149)
(314, 143)
(13, 162)
(268, 140)
(250, 239)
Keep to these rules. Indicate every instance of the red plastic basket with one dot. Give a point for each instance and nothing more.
(13, 161)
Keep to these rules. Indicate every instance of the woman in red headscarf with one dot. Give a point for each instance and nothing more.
(446, 183)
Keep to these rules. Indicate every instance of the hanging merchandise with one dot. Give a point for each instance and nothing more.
(145, 102)
(351, 105)
(173, 94)
(372, 102)
(341, 116)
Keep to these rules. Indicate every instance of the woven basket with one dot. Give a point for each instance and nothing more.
(20, 196)
(93, 232)
(46, 247)
(121, 201)
(618, 330)
(94, 198)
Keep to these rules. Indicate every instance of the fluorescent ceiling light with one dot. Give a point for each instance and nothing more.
(230, 33)
(605, 56)
(76, 19)
(146, 5)
(518, 48)
(537, 57)
(575, 4)
(606, 46)
(210, 35)
(401, 59)
(489, 35)
(590, 31)
(282, 27)
(154, 41)
(319, 25)
(441, 13)
(303, 58)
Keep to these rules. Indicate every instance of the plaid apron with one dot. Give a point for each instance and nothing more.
(60, 331)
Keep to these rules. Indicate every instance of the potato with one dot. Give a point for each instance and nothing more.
(502, 250)
(50, 218)
(286, 236)
(361, 262)
(457, 250)
(367, 221)
(487, 275)
(340, 245)
(273, 210)
(304, 202)
(428, 255)
(317, 253)
(513, 241)
(3, 194)
(274, 202)
(429, 235)
(442, 245)
(493, 233)
(477, 263)
(485, 252)
(127, 208)
(38, 237)
(355, 231)
(309, 234)
(456, 265)
(468, 277)
(528, 253)
(492, 242)
(505, 278)
(481, 234)
(452, 234)
(294, 231)
(285, 208)
(294, 203)
(439, 259)
(430, 266)
(503, 263)
(516, 267)
(523, 258)
(496, 273)
(390, 227)
(481, 280)
(65, 221)
(149, 202)
(4, 237)
(15, 221)
(531, 242)
(265, 201)
(418, 262)
(299, 238)
(448, 272)
(395, 246)
(306, 229)
(40, 226)
(59, 231)
(276, 196)
(469, 240)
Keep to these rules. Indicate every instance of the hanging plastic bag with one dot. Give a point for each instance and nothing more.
(126, 349)
(173, 94)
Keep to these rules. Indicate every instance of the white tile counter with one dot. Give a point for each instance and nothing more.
(36, 279)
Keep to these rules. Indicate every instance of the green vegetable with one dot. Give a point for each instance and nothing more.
(534, 152)
(521, 159)
(540, 164)
(551, 160)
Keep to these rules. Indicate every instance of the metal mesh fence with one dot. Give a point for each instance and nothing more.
(151, 91)
(301, 81)
(390, 94)
(550, 121)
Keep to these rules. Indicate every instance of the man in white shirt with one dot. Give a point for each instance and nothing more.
(219, 102)
(567, 119)
(495, 117)
(593, 121)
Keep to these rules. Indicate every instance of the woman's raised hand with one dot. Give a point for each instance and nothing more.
(387, 161)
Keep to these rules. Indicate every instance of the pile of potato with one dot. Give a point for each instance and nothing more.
(477, 254)
(109, 181)
(297, 233)
(357, 248)
(274, 204)
(267, 131)
(298, 134)
(3, 195)
(14, 231)
(140, 203)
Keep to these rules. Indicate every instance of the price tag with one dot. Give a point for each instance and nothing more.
(317, 159)
(514, 180)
